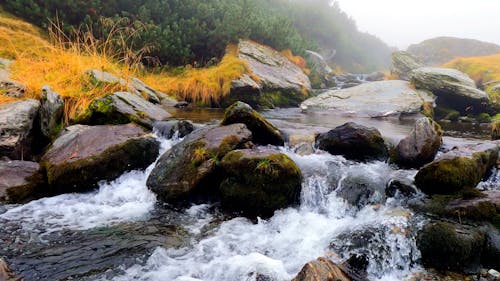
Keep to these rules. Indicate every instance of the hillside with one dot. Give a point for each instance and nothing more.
(440, 50)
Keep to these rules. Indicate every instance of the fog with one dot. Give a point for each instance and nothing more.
(402, 22)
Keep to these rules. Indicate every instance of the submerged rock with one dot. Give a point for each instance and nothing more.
(263, 132)
(259, 181)
(403, 63)
(84, 155)
(19, 181)
(51, 112)
(168, 129)
(354, 142)
(321, 269)
(186, 169)
(17, 128)
(420, 147)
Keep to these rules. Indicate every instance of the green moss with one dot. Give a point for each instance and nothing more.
(483, 118)
(428, 109)
(495, 130)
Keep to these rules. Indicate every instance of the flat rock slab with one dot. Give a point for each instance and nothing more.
(18, 180)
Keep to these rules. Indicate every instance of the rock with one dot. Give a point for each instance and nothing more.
(51, 112)
(19, 180)
(354, 142)
(259, 181)
(263, 132)
(181, 173)
(275, 80)
(168, 129)
(374, 99)
(321, 74)
(6, 274)
(181, 104)
(457, 170)
(375, 76)
(420, 147)
(140, 88)
(491, 254)
(122, 108)
(360, 190)
(484, 208)
(8, 87)
(17, 128)
(403, 63)
(495, 130)
(84, 155)
(321, 269)
(493, 274)
(446, 246)
(453, 89)
(403, 186)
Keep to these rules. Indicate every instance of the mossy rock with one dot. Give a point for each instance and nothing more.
(483, 118)
(263, 132)
(259, 181)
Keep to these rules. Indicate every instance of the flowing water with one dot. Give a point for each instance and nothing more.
(121, 232)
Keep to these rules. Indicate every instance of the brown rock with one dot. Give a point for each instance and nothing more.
(321, 269)
(19, 180)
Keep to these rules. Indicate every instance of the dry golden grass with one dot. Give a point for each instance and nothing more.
(297, 60)
(481, 69)
(389, 75)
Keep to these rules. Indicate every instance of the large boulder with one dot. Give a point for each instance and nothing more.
(321, 269)
(259, 181)
(403, 63)
(355, 142)
(122, 108)
(263, 132)
(457, 170)
(17, 128)
(19, 180)
(483, 208)
(187, 169)
(84, 155)
(420, 147)
(374, 99)
(453, 89)
(274, 79)
(51, 112)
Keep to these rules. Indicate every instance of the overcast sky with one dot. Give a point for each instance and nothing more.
(403, 22)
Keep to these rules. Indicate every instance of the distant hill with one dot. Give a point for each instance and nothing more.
(440, 50)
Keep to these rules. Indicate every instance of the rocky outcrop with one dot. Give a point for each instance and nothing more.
(84, 155)
(259, 181)
(321, 74)
(263, 132)
(274, 81)
(374, 99)
(354, 142)
(122, 108)
(420, 147)
(453, 89)
(181, 172)
(457, 170)
(321, 269)
(51, 112)
(19, 181)
(17, 128)
(169, 129)
(403, 63)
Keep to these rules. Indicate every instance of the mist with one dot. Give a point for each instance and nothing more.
(402, 23)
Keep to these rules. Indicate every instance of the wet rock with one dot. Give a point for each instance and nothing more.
(259, 181)
(453, 89)
(321, 269)
(181, 104)
(51, 112)
(484, 208)
(122, 108)
(403, 186)
(403, 63)
(420, 147)
(6, 274)
(263, 132)
(304, 149)
(275, 80)
(17, 128)
(491, 254)
(375, 76)
(446, 246)
(19, 181)
(84, 155)
(360, 190)
(374, 99)
(354, 142)
(457, 170)
(181, 173)
(321, 74)
(168, 129)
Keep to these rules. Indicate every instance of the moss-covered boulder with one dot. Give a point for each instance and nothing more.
(355, 142)
(84, 155)
(188, 169)
(263, 132)
(19, 181)
(457, 170)
(420, 147)
(485, 207)
(322, 269)
(447, 246)
(259, 181)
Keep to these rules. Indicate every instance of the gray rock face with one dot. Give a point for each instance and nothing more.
(17, 128)
(403, 63)
(420, 147)
(51, 111)
(124, 107)
(185, 170)
(374, 99)
(453, 89)
(279, 81)
(321, 74)
(168, 129)
(19, 180)
(319, 63)
(84, 155)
